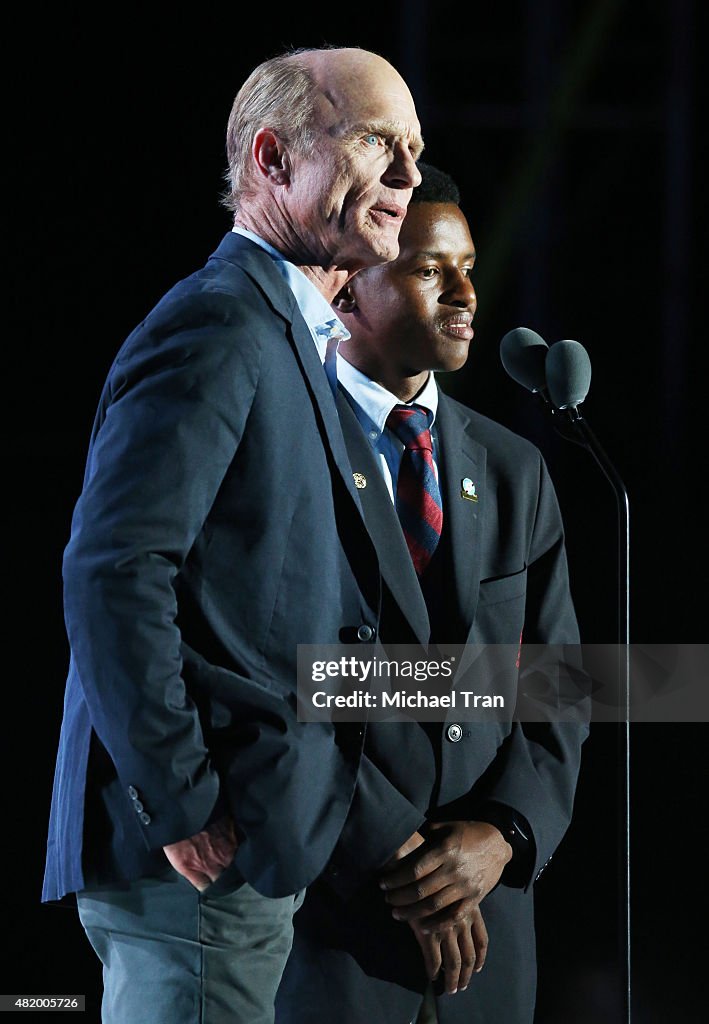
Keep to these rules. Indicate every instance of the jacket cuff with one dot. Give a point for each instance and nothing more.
(517, 831)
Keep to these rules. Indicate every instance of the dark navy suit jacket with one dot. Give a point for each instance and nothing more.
(499, 571)
(217, 529)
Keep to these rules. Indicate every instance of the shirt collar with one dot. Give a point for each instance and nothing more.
(375, 400)
(318, 314)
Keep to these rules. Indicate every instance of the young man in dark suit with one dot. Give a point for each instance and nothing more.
(184, 812)
(486, 566)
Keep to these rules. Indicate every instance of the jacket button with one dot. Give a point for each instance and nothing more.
(137, 806)
(365, 633)
(145, 818)
(132, 792)
(454, 732)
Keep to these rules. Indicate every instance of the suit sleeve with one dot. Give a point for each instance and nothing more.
(536, 769)
(170, 421)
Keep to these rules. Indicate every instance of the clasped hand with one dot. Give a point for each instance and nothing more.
(436, 885)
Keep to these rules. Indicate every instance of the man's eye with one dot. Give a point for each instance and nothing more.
(371, 140)
(428, 272)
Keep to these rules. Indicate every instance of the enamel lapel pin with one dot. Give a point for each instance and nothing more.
(467, 489)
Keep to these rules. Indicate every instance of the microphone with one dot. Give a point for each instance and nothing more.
(523, 353)
(568, 374)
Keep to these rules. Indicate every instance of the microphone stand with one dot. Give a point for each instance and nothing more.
(570, 424)
(588, 440)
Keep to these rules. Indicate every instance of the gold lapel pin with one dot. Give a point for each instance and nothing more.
(467, 489)
(360, 481)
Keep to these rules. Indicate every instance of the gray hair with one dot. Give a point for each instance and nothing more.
(279, 94)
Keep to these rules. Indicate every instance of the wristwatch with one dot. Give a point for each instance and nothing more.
(517, 832)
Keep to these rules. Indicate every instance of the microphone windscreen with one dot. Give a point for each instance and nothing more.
(568, 373)
(523, 354)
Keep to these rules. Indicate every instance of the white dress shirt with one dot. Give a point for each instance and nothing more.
(372, 405)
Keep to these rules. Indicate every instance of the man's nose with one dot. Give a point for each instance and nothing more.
(402, 172)
(460, 291)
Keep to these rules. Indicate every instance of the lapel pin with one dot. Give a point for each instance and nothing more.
(360, 481)
(467, 489)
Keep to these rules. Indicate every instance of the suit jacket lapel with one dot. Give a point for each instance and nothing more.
(323, 397)
(462, 457)
(383, 524)
(257, 263)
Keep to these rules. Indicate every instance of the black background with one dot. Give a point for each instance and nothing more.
(570, 128)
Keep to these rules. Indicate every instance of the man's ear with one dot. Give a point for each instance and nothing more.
(344, 301)
(271, 156)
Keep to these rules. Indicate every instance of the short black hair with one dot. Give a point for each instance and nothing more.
(436, 186)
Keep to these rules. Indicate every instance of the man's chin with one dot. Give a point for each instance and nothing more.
(380, 250)
(392, 251)
(450, 362)
(367, 249)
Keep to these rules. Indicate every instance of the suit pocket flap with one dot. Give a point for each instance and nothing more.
(503, 588)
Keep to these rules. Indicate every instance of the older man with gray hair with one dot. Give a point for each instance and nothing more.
(218, 528)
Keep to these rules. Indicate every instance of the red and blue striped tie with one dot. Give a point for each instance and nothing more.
(418, 498)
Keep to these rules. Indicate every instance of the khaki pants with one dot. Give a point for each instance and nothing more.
(171, 954)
